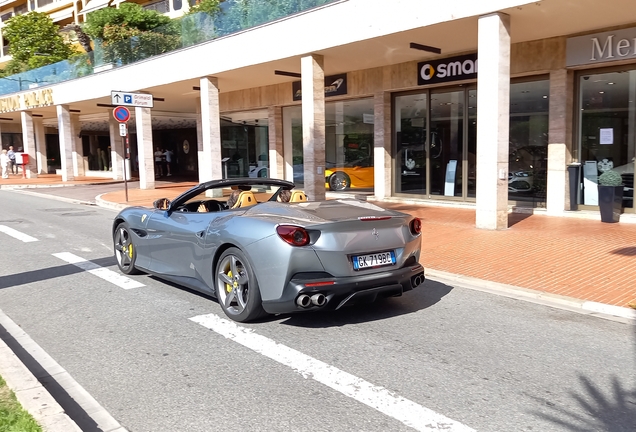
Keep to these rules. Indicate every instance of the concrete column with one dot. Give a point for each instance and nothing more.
(288, 149)
(67, 143)
(145, 150)
(382, 144)
(493, 121)
(313, 106)
(559, 141)
(210, 165)
(28, 144)
(200, 160)
(276, 158)
(40, 145)
(117, 148)
(79, 162)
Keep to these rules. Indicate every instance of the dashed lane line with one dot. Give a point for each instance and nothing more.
(17, 234)
(101, 272)
(379, 398)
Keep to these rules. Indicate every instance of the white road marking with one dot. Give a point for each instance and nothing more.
(104, 273)
(17, 234)
(408, 412)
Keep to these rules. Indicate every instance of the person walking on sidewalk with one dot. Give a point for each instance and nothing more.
(4, 164)
(169, 155)
(12, 164)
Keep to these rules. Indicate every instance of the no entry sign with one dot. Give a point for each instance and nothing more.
(121, 114)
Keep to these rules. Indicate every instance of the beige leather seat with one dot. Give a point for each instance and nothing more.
(298, 196)
(245, 199)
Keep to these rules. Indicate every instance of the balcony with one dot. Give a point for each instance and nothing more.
(183, 32)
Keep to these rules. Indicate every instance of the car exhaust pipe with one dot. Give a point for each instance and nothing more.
(318, 299)
(303, 301)
(417, 280)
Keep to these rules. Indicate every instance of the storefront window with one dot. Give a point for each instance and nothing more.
(411, 112)
(528, 152)
(607, 126)
(348, 144)
(245, 145)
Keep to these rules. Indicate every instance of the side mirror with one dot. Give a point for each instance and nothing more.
(161, 204)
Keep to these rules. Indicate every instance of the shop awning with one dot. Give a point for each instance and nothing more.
(62, 14)
(94, 5)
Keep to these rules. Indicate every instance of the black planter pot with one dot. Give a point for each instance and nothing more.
(610, 202)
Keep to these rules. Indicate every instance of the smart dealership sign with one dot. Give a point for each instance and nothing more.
(447, 70)
(601, 47)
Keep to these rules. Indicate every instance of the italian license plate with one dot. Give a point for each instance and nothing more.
(373, 260)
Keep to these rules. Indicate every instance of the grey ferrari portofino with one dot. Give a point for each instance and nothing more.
(260, 247)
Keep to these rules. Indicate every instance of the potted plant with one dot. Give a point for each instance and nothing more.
(610, 196)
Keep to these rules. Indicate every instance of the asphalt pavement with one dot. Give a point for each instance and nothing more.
(155, 360)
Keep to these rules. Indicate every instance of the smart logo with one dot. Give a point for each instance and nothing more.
(447, 70)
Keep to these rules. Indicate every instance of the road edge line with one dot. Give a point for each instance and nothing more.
(23, 383)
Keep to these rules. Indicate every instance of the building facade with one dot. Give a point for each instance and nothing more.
(486, 105)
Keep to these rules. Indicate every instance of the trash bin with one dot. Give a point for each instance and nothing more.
(574, 172)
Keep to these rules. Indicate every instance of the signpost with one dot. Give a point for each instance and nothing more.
(122, 115)
(143, 100)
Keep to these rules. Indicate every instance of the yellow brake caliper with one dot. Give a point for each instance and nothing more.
(130, 251)
(228, 287)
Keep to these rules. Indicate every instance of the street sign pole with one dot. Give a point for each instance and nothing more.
(122, 115)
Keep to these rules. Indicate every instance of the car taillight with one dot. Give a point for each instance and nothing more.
(295, 236)
(416, 226)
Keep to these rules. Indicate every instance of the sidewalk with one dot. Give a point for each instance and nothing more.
(565, 256)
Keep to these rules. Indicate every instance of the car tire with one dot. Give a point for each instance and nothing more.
(125, 249)
(237, 288)
(339, 181)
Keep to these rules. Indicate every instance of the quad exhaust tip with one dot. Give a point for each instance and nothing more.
(417, 280)
(305, 301)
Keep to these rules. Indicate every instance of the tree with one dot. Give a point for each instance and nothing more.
(129, 15)
(131, 33)
(35, 41)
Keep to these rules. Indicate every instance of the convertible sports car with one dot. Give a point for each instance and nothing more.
(260, 256)
(356, 174)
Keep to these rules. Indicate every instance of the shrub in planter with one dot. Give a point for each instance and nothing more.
(610, 196)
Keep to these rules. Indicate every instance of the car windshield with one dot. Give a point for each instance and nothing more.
(261, 193)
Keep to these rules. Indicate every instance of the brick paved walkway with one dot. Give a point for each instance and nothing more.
(579, 258)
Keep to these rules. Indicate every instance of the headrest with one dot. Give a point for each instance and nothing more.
(245, 199)
(298, 196)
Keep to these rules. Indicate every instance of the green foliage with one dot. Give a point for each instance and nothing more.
(35, 41)
(129, 15)
(13, 418)
(131, 33)
(610, 178)
(209, 7)
(241, 14)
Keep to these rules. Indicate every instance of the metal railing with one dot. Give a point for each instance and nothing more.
(179, 33)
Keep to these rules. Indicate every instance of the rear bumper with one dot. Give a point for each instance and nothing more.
(346, 290)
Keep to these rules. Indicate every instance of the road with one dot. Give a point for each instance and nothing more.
(161, 358)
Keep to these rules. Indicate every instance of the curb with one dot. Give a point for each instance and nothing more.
(31, 394)
(57, 198)
(600, 310)
(100, 202)
(34, 397)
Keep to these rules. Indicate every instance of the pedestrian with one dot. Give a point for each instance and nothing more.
(4, 164)
(158, 163)
(169, 155)
(12, 164)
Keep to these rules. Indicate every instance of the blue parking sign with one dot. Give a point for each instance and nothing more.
(128, 98)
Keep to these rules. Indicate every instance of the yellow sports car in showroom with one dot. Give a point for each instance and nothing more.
(356, 174)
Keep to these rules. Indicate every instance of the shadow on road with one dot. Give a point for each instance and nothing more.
(40, 275)
(628, 251)
(612, 412)
(420, 298)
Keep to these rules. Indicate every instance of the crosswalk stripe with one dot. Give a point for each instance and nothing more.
(17, 234)
(379, 398)
(101, 272)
